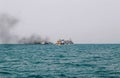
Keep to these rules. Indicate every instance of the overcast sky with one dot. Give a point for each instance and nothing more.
(84, 21)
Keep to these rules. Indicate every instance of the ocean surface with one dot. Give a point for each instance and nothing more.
(66, 61)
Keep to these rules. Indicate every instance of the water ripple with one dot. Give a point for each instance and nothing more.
(67, 61)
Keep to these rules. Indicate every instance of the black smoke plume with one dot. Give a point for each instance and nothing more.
(7, 23)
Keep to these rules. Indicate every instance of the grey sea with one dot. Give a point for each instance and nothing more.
(66, 61)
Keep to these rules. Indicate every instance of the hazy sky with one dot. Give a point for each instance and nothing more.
(84, 21)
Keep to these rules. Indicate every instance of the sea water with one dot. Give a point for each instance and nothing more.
(65, 61)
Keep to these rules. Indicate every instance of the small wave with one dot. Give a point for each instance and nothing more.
(40, 76)
(5, 73)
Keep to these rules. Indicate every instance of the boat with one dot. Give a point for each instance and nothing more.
(64, 42)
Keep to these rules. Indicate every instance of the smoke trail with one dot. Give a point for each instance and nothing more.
(34, 39)
(7, 22)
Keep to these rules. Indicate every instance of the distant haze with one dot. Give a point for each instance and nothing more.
(83, 21)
